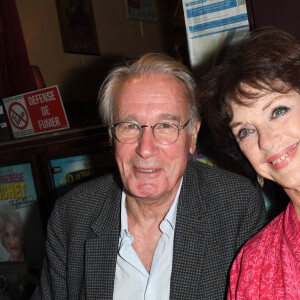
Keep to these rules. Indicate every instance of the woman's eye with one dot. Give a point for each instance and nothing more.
(244, 133)
(279, 111)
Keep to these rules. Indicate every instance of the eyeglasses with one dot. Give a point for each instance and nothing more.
(166, 133)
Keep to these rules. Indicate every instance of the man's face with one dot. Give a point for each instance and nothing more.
(151, 170)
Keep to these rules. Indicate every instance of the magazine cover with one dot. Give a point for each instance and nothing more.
(70, 171)
(22, 237)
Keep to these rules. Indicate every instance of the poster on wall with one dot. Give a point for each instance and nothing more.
(36, 112)
(22, 237)
(70, 171)
(212, 25)
(77, 26)
(143, 10)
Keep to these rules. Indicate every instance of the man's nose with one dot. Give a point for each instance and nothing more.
(147, 144)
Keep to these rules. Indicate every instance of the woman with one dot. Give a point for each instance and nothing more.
(11, 233)
(251, 102)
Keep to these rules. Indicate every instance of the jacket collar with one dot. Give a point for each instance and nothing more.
(109, 218)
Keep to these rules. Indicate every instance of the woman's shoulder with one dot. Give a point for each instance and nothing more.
(252, 273)
(257, 247)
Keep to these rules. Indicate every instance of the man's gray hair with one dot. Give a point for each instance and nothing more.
(150, 63)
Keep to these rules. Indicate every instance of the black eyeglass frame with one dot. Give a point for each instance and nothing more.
(113, 127)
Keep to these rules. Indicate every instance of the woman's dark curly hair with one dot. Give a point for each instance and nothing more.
(269, 57)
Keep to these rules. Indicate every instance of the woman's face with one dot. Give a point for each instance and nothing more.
(268, 133)
(12, 240)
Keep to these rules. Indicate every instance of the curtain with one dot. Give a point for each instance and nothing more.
(16, 76)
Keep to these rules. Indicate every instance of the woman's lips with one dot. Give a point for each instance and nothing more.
(281, 159)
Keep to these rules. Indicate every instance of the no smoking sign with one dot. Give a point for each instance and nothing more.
(18, 115)
(36, 112)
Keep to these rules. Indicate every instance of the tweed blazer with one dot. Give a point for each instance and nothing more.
(217, 212)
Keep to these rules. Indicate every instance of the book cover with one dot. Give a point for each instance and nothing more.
(22, 236)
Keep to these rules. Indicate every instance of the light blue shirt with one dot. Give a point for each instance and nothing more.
(132, 281)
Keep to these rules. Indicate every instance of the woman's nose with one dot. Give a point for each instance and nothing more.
(266, 139)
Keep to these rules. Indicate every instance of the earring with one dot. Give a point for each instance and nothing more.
(260, 180)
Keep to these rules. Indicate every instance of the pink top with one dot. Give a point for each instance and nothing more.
(268, 265)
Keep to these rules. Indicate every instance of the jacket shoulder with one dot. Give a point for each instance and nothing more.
(223, 190)
(213, 175)
(87, 199)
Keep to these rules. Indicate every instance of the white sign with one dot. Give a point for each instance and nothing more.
(212, 23)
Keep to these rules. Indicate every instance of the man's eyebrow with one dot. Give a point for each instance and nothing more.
(134, 117)
(170, 117)
(129, 118)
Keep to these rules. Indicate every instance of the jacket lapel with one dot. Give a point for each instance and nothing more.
(100, 265)
(101, 249)
(190, 240)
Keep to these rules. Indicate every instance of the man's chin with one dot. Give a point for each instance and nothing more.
(145, 190)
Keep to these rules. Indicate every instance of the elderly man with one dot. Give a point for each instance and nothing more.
(165, 226)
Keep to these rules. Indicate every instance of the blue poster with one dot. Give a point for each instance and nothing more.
(69, 171)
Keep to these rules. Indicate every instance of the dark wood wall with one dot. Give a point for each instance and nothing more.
(283, 14)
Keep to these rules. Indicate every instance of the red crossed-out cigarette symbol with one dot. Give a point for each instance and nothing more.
(18, 115)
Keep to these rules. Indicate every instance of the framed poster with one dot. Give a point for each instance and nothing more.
(20, 223)
(143, 10)
(77, 26)
(69, 171)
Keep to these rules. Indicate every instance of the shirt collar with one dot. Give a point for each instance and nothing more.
(171, 215)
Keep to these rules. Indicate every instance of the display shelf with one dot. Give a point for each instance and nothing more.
(39, 150)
